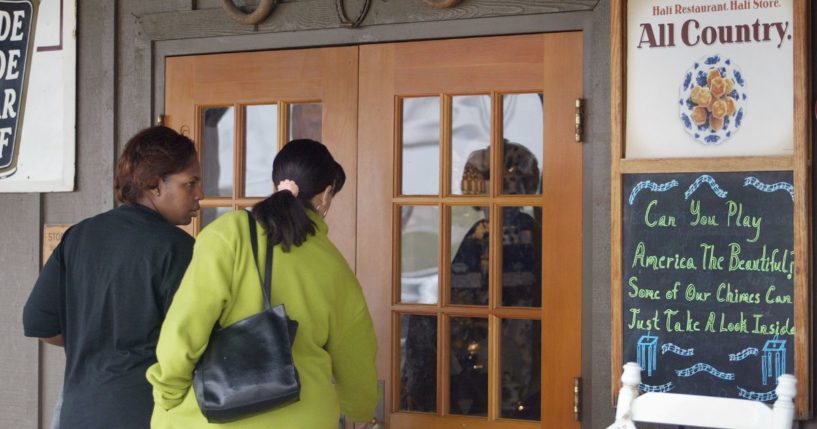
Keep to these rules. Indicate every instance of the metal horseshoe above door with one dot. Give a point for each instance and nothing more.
(442, 4)
(259, 14)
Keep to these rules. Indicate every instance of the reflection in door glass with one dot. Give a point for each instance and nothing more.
(523, 143)
(418, 363)
(469, 255)
(520, 366)
(419, 243)
(469, 366)
(421, 146)
(305, 121)
(470, 141)
(262, 146)
(521, 256)
(217, 151)
(209, 214)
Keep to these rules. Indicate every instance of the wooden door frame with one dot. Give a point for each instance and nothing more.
(593, 25)
(378, 74)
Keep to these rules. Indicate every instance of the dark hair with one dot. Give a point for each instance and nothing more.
(310, 165)
(152, 154)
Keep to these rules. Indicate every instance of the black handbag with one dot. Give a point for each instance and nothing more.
(247, 367)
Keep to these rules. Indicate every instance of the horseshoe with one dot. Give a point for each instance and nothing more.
(442, 4)
(259, 14)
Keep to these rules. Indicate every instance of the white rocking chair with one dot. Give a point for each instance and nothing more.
(701, 411)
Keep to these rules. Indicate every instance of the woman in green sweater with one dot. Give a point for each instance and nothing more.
(334, 349)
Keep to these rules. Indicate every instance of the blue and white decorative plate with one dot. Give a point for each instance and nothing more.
(709, 132)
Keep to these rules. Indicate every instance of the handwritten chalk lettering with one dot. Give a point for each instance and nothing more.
(699, 218)
(644, 293)
(710, 322)
(726, 293)
(660, 220)
(774, 298)
(709, 261)
(649, 324)
(736, 217)
(682, 323)
(672, 294)
(692, 294)
(763, 327)
(776, 262)
(731, 325)
(663, 262)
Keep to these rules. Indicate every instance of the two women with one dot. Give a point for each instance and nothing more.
(335, 346)
(104, 292)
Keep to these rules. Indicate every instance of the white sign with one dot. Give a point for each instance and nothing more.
(709, 78)
(46, 159)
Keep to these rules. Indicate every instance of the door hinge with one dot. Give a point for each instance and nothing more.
(577, 399)
(579, 120)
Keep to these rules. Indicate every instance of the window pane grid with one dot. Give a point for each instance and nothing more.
(228, 137)
(502, 198)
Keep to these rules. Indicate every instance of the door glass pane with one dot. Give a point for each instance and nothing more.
(217, 151)
(421, 146)
(521, 256)
(469, 366)
(470, 144)
(262, 146)
(469, 255)
(418, 363)
(521, 363)
(305, 121)
(209, 214)
(419, 264)
(523, 142)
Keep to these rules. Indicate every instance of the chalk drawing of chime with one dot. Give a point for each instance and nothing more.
(774, 359)
(647, 353)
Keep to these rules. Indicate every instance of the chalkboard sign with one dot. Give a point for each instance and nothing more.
(708, 281)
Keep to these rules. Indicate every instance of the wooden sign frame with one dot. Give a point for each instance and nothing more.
(798, 163)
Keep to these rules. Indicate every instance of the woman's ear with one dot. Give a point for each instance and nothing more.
(326, 195)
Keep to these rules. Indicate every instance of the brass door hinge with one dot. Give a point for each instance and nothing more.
(577, 399)
(579, 120)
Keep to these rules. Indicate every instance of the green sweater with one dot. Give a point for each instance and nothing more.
(335, 339)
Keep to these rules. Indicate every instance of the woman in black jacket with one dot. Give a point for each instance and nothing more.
(104, 292)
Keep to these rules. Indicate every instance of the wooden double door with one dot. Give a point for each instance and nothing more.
(461, 214)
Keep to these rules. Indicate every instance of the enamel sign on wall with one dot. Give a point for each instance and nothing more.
(16, 19)
(41, 158)
(708, 79)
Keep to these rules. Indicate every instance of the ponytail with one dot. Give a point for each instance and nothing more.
(284, 218)
(302, 169)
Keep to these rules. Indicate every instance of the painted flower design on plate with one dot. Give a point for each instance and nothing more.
(712, 100)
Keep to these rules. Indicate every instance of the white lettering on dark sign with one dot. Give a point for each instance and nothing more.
(16, 18)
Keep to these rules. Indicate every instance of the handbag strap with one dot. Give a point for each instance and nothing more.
(267, 280)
